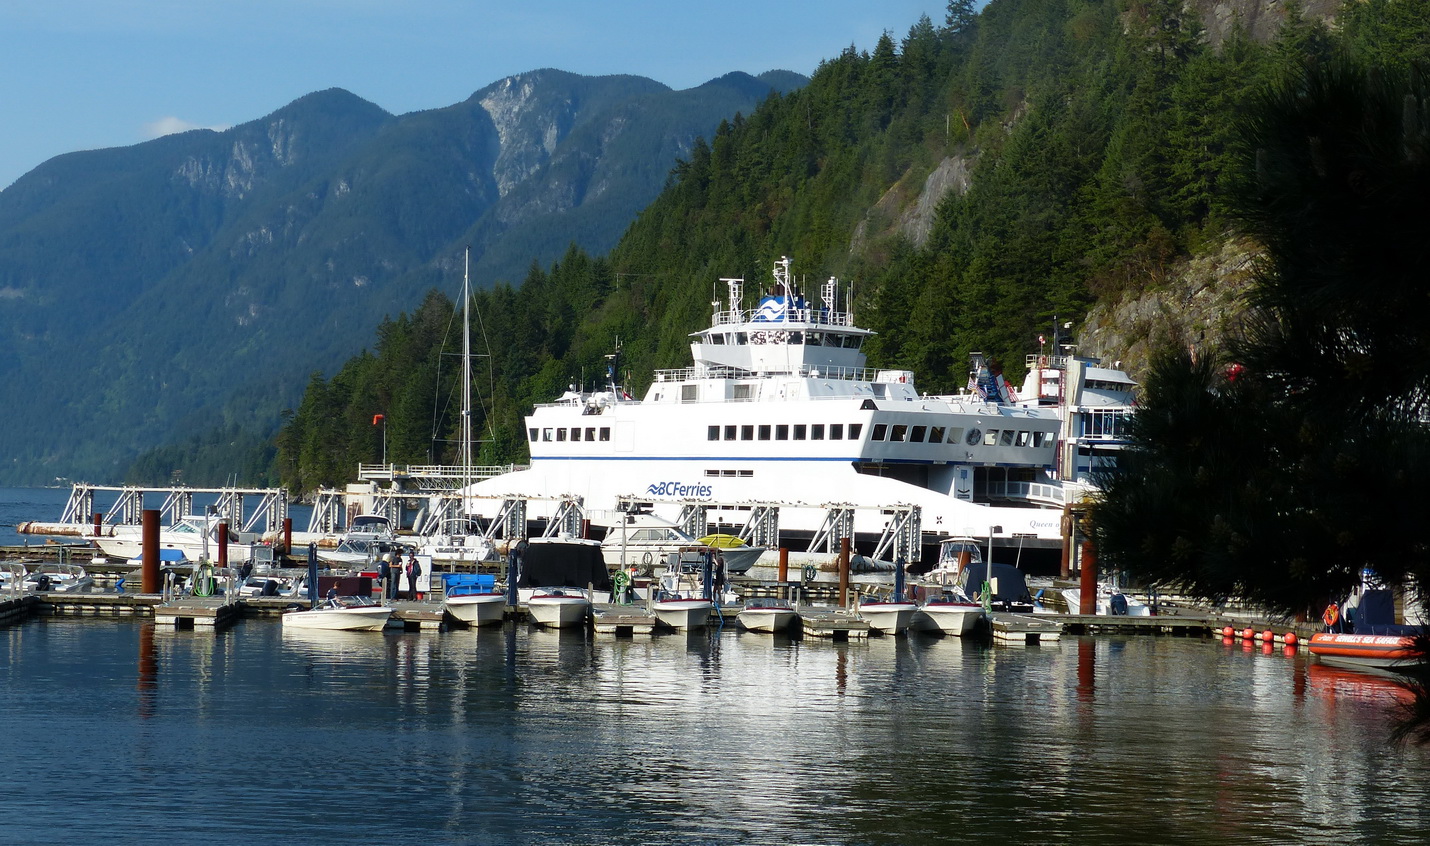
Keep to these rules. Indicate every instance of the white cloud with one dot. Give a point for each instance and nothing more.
(170, 125)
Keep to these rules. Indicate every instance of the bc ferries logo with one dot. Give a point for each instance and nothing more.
(678, 489)
(771, 310)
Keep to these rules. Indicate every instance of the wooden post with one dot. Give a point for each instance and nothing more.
(784, 564)
(844, 572)
(287, 535)
(149, 534)
(98, 521)
(1069, 532)
(223, 544)
(1087, 602)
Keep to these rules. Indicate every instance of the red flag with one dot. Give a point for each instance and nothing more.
(377, 418)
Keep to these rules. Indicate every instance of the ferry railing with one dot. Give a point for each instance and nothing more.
(813, 316)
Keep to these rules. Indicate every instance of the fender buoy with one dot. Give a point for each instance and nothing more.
(1331, 615)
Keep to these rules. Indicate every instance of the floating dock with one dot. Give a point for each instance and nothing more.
(832, 623)
(622, 620)
(1025, 628)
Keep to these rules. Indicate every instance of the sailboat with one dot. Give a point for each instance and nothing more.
(454, 538)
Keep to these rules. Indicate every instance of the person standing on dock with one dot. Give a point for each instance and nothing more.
(414, 569)
(384, 575)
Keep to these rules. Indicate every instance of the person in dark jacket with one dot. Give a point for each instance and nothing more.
(414, 569)
(384, 574)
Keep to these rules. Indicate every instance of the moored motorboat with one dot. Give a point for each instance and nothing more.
(1111, 601)
(473, 599)
(1363, 633)
(766, 615)
(1365, 650)
(558, 607)
(682, 613)
(888, 617)
(58, 578)
(343, 613)
(950, 614)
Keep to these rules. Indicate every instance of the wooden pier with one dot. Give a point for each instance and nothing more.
(198, 613)
(1025, 628)
(622, 620)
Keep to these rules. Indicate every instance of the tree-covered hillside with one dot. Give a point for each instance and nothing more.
(1099, 135)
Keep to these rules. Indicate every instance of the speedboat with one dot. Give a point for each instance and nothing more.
(368, 538)
(1111, 601)
(888, 617)
(646, 541)
(766, 615)
(683, 613)
(196, 535)
(1362, 632)
(473, 599)
(950, 614)
(58, 578)
(558, 607)
(342, 613)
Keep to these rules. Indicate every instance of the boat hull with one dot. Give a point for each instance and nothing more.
(486, 609)
(683, 614)
(372, 619)
(956, 619)
(1353, 650)
(558, 612)
(888, 617)
(766, 620)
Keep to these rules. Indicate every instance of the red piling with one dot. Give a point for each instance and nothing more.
(149, 533)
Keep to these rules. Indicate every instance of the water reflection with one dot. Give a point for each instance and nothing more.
(533, 736)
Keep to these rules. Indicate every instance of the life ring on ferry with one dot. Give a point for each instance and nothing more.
(1331, 615)
(809, 572)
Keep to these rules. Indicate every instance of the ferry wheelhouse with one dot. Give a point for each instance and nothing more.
(779, 407)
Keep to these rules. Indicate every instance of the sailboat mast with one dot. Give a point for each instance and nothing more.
(466, 383)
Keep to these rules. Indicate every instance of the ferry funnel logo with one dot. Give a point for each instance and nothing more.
(771, 310)
(674, 488)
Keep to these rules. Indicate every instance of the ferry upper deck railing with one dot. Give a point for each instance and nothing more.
(790, 314)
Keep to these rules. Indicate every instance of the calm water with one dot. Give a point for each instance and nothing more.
(116, 732)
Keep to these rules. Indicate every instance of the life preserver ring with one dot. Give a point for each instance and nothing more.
(809, 572)
(1331, 615)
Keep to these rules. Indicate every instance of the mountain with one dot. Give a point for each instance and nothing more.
(193, 282)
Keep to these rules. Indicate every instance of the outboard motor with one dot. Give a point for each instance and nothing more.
(42, 582)
(270, 588)
(1118, 605)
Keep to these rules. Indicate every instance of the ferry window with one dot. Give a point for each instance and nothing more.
(799, 430)
(605, 433)
(833, 340)
(576, 434)
(990, 438)
(782, 432)
(796, 338)
(546, 435)
(854, 430)
(745, 474)
(560, 434)
(590, 433)
(741, 338)
(974, 437)
(712, 473)
(712, 433)
(813, 339)
(1008, 437)
(534, 433)
(742, 392)
(880, 430)
(717, 339)
(1042, 439)
(899, 434)
(689, 393)
(955, 436)
(728, 473)
(729, 433)
(836, 431)
(935, 434)
(916, 434)
(747, 433)
(816, 432)
(1025, 438)
(851, 342)
(764, 431)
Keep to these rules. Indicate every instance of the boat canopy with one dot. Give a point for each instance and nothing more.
(564, 565)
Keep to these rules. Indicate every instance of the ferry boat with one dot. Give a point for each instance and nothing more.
(780, 408)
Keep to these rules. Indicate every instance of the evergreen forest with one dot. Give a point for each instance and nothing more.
(1092, 146)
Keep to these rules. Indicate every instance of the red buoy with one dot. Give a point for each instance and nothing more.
(1290, 638)
(1267, 636)
(1247, 633)
(1227, 631)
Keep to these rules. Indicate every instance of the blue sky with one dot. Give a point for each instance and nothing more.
(85, 74)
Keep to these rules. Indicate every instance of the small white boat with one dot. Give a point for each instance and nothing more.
(1110, 602)
(951, 614)
(647, 542)
(58, 578)
(558, 607)
(888, 617)
(475, 606)
(766, 615)
(343, 613)
(681, 613)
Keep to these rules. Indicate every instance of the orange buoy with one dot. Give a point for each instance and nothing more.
(1267, 636)
(1291, 638)
(1247, 633)
(1227, 631)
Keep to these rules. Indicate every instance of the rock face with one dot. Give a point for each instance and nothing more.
(1199, 307)
(1260, 18)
